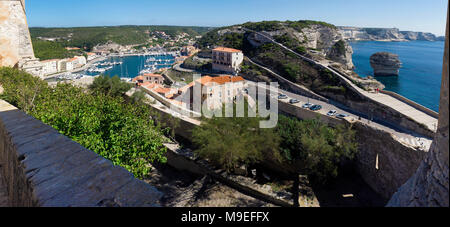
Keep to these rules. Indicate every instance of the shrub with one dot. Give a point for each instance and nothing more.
(119, 131)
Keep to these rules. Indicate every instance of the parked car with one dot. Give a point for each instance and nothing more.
(282, 96)
(316, 108)
(294, 101)
(342, 116)
(332, 113)
(307, 105)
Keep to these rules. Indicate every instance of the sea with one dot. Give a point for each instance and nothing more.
(421, 73)
(132, 65)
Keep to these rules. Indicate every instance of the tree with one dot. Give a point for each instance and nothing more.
(119, 131)
(315, 149)
(231, 142)
(111, 86)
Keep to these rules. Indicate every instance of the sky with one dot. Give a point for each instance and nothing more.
(407, 15)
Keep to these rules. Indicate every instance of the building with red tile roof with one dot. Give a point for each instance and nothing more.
(215, 90)
(227, 60)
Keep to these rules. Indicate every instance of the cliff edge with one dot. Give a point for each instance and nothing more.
(429, 187)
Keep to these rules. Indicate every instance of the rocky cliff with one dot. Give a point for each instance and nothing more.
(385, 64)
(385, 34)
(429, 187)
(321, 37)
(302, 36)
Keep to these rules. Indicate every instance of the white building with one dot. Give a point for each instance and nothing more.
(79, 61)
(50, 66)
(91, 56)
(215, 91)
(65, 65)
(227, 60)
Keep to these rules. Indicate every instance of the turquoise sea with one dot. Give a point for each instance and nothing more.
(420, 76)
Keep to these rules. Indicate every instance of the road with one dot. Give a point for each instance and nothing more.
(405, 137)
(399, 106)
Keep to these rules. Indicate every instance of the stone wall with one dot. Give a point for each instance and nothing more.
(429, 187)
(44, 168)
(383, 162)
(15, 41)
(411, 103)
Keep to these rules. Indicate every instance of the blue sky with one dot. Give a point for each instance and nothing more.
(414, 15)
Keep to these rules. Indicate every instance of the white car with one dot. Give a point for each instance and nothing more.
(307, 105)
(332, 113)
(282, 96)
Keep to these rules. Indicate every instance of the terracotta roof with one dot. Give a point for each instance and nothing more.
(162, 90)
(226, 49)
(219, 80)
(152, 75)
(150, 85)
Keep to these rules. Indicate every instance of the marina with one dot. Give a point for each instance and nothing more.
(126, 66)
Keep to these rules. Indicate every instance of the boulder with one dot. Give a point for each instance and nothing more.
(385, 64)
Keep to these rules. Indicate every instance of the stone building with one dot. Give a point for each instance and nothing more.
(149, 77)
(215, 91)
(50, 66)
(16, 49)
(227, 60)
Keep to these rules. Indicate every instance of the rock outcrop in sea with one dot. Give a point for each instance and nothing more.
(385, 64)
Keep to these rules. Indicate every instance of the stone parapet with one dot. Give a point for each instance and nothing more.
(41, 167)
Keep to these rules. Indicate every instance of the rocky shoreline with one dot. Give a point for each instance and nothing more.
(386, 35)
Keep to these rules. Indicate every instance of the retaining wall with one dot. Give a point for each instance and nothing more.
(412, 103)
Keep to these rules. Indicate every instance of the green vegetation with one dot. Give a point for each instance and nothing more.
(284, 63)
(276, 25)
(263, 26)
(180, 76)
(45, 50)
(190, 63)
(110, 86)
(313, 148)
(339, 47)
(108, 125)
(88, 37)
(300, 147)
(212, 38)
(301, 24)
(232, 142)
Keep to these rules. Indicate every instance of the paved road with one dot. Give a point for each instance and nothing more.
(387, 100)
(405, 137)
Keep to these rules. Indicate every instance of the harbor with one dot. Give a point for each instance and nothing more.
(126, 66)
